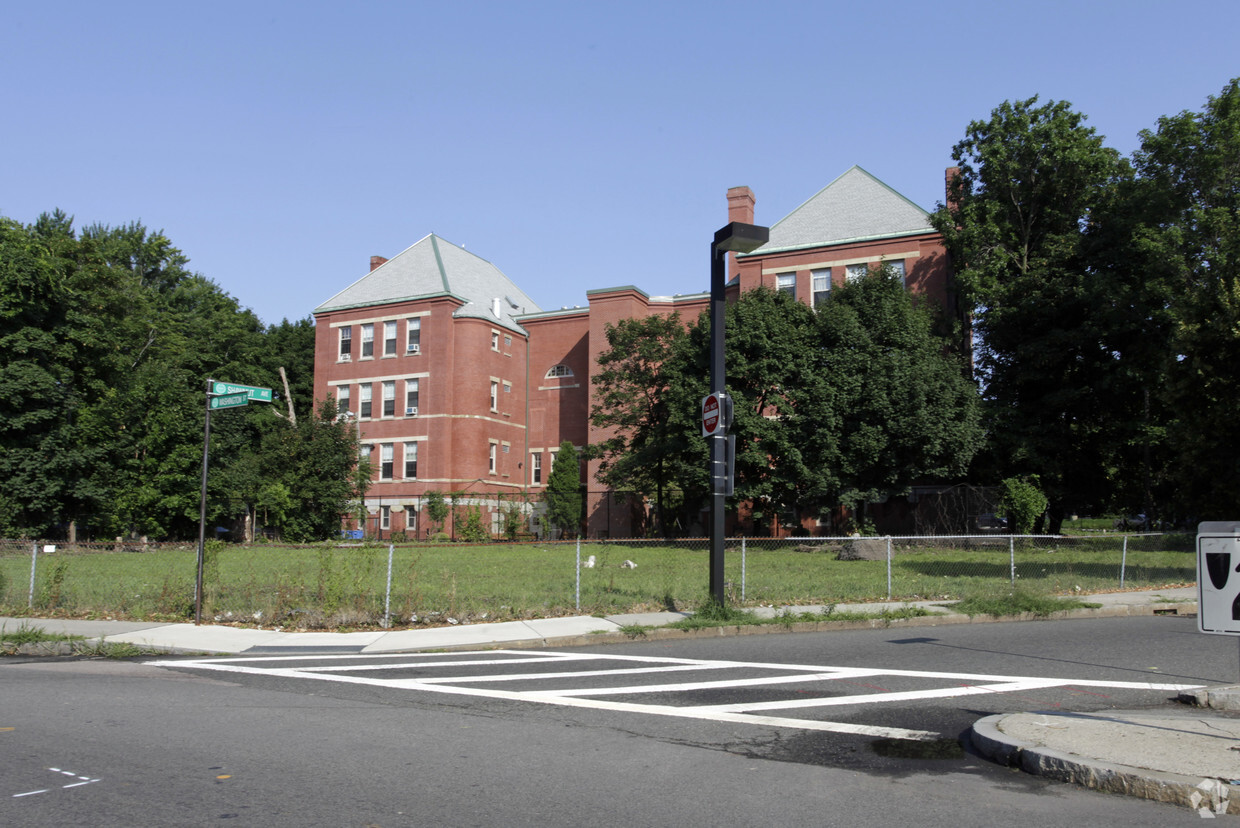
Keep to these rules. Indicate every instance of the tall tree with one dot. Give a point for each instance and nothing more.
(1030, 180)
(563, 494)
(1190, 236)
(889, 405)
(631, 390)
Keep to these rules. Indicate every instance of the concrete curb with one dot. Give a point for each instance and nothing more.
(1161, 786)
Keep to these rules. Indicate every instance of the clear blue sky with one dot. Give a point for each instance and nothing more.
(576, 145)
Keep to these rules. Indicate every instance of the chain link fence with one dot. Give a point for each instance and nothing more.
(369, 583)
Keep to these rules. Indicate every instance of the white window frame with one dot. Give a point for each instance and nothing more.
(786, 283)
(413, 336)
(410, 455)
(342, 399)
(493, 457)
(389, 398)
(345, 347)
(560, 370)
(821, 276)
(495, 396)
(536, 468)
(412, 394)
(856, 272)
(389, 338)
(387, 460)
(365, 401)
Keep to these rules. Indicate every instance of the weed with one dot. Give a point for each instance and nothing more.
(1016, 602)
(27, 634)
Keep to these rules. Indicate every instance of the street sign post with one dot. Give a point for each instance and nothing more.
(220, 396)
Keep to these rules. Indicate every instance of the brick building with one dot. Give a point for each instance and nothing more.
(459, 383)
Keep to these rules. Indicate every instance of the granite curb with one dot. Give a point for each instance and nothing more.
(1209, 795)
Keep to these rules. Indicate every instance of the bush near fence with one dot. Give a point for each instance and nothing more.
(346, 585)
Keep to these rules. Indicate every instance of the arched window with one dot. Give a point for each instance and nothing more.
(560, 370)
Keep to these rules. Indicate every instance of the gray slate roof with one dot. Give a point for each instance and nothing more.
(853, 207)
(434, 267)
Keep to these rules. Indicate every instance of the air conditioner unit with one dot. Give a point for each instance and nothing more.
(414, 349)
(346, 358)
(411, 411)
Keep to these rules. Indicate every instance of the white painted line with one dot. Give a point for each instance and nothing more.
(742, 712)
(872, 698)
(31, 793)
(709, 685)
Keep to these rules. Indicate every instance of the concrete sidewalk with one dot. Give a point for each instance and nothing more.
(1188, 756)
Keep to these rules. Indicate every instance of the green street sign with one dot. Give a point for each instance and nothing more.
(229, 400)
(252, 392)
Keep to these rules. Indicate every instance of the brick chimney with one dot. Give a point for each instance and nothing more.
(375, 261)
(949, 175)
(740, 208)
(740, 205)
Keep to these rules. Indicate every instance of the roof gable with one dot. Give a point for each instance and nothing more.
(434, 267)
(852, 207)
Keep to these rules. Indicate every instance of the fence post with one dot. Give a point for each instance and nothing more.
(742, 569)
(34, 556)
(387, 596)
(1012, 557)
(889, 567)
(578, 599)
(1123, 563)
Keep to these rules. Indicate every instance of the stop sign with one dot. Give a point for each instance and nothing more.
(711, 415)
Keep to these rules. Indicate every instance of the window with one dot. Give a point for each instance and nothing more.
(560, 370)
(389, 398)
(385, 517)
(411, 460)
(507, 387)
(821, 284)
(507, 341)
(411, 397)
(492, 457)
(855, 272)
(366, 452)
(342, 399)
(494, 397)
(385, 460)
(536, 468)
(364, 392)
(368, 340)
(389, 339)
(898, 267)
(494, 340)
(786, 283)
(413, 336)
(346, 343)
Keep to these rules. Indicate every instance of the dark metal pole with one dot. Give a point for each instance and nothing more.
(202, 507)
(717, 386)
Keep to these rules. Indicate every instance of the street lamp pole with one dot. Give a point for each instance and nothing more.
(739, 238)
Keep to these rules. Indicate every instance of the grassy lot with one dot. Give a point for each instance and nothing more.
(333, 586)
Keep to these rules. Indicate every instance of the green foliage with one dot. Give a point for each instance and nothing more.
(1027, 223)
(563, 496)
(109, 340)
(1023, 503)
(436, 509)
(471, 529)
(631, 391)
(851, 403)
(1189, 227)
(1004, 602)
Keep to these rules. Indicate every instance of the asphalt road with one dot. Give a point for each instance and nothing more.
(843, 728)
